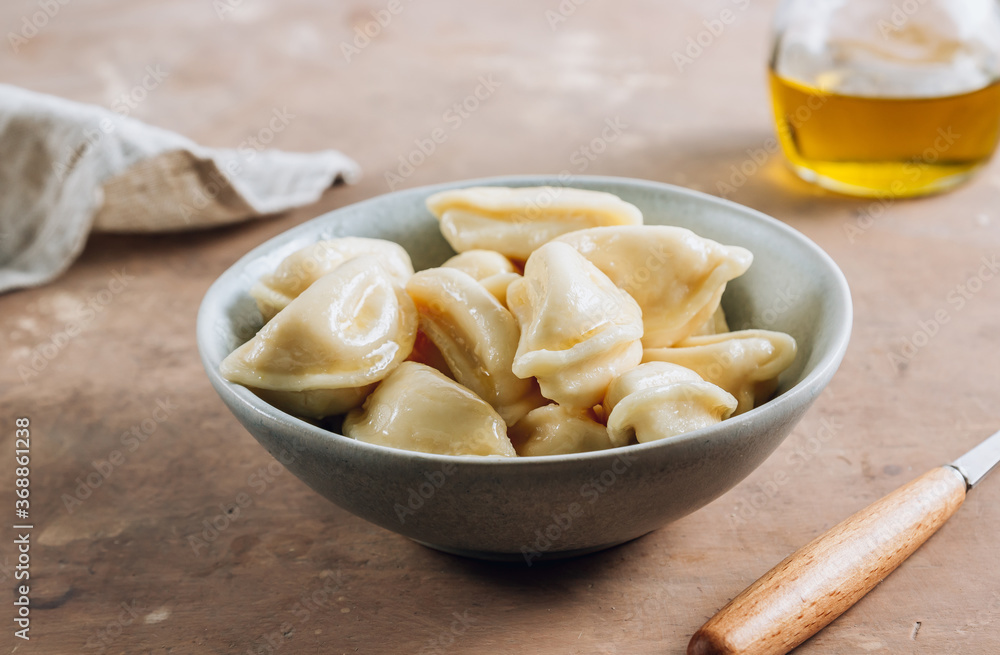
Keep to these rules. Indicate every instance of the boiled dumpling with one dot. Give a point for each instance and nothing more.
(645, 376)
(655, 401)
(499, 284)
(744, 363)
(418, 408)
(476, 336)
(425, 352)
(316, 403)
(296, 272)
(558, 430)
(480, 264)
(578, 330)
(515, 222)
(717, 324)
(320, 355)
(676, 276)
(490, 268)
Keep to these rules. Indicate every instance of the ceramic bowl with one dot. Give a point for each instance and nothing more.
(540, 507)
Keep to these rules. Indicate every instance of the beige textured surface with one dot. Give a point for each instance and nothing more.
(874, 429)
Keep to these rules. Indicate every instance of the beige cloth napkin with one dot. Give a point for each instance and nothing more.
(67, 168)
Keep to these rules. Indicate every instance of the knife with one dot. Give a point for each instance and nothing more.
(820, 581)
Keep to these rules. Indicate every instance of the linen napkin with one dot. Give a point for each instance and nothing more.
(67, 168)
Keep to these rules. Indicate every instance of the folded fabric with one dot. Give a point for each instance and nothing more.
(68, 168)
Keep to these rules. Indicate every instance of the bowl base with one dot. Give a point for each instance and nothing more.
(525, 558)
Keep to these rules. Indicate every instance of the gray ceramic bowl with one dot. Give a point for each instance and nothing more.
(535, 507)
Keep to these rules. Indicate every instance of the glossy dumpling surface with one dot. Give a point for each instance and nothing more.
(296, 272)
(476, 336)
(425, 352)
(676, 276)
(316, 403)
(418, 408)
(645, 376)
(346, 331)
(499, 284)
(578, 330)
(490, 268)
(557, 430)
(516, 221)
(746, 363)
(480, 264)
(660, 412)
(717, 324)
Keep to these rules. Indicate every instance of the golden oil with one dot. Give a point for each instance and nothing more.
(885, 146)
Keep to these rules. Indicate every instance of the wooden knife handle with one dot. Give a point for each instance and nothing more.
(818, 582)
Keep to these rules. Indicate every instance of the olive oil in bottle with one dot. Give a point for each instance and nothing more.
(885, 146)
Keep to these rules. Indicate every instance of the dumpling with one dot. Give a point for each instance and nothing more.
(316, 403)
(320, 355)
(418, 408)
(558, 430)
(425, 352)
(578, 330)
(490, 268)
(480, 264)
(676, 276)
(744, 363)
(515, 222)
(476, 336)
(656, 401)
(662, 412)
(296, 272)
(645, 376)
(498, 285)
(717, 324)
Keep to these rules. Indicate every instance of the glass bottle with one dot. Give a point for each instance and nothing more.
(887, 97)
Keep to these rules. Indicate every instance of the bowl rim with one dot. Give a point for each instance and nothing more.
(801, 393)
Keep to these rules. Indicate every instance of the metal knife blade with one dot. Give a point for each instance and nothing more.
(975, 464)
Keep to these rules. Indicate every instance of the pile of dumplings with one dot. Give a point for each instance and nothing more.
(563, 325)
